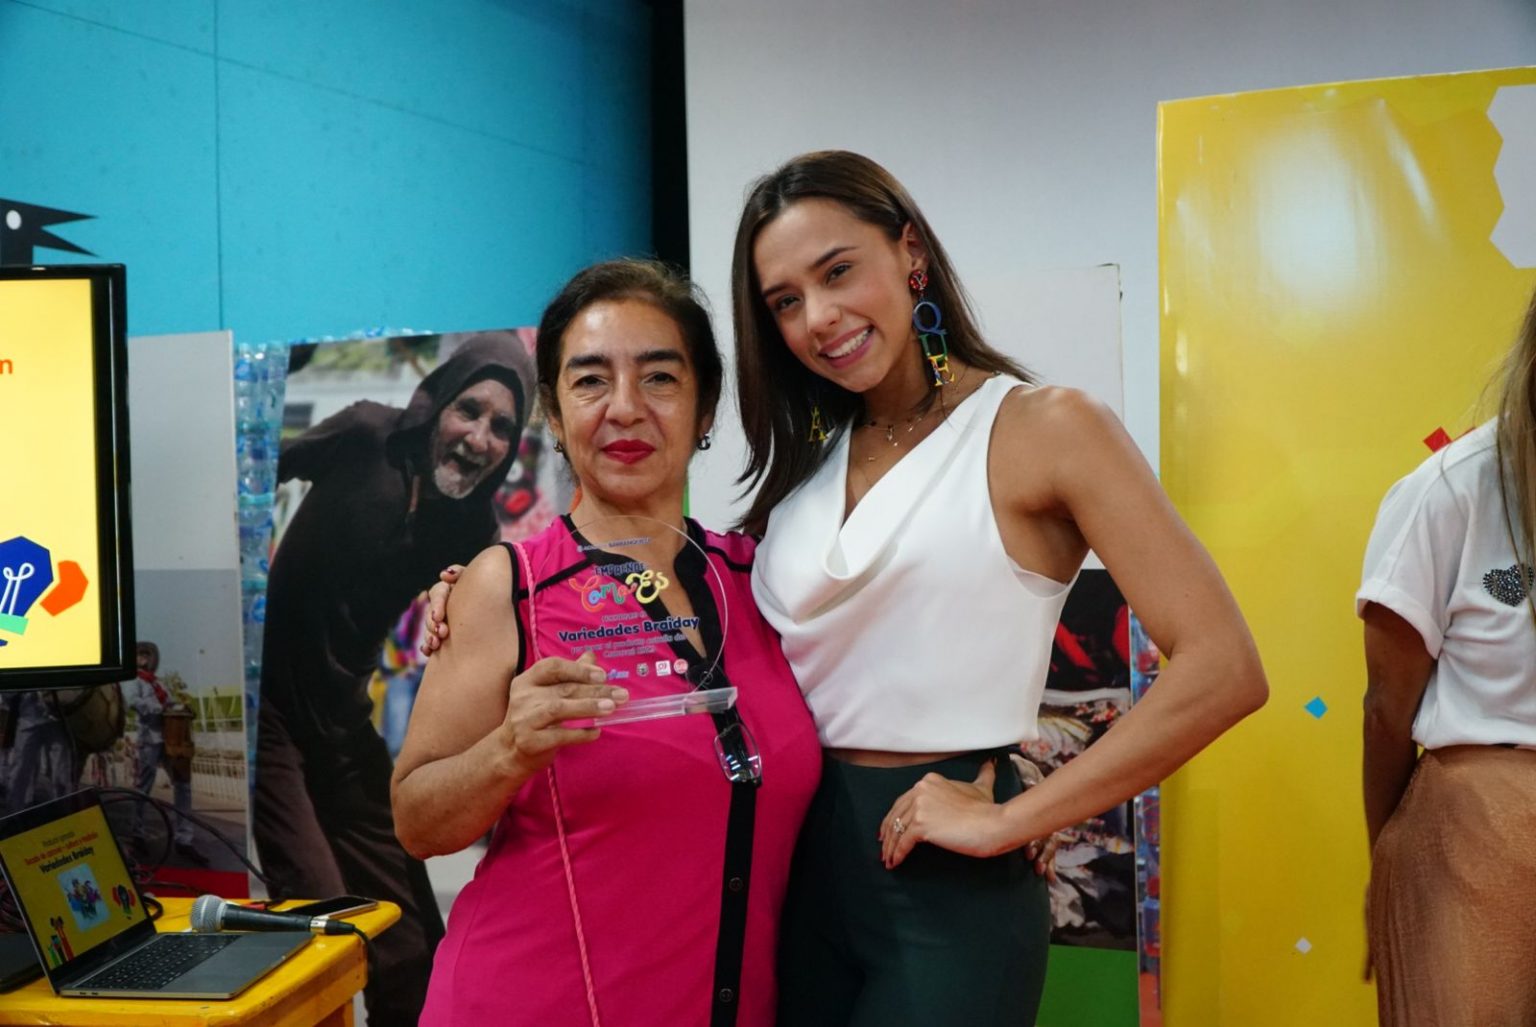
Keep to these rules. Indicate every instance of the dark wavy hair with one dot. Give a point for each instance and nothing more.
(663, 287)
(775, 390)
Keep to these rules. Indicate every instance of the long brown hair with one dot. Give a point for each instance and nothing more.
(776, 392)
(1517, 447)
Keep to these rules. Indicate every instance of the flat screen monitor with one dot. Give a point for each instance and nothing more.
(66, 555)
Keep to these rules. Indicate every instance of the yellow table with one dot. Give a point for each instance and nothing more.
(314, 987)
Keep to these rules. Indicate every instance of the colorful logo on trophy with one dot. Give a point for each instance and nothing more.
(595, 592)
(27, 579)
(647, 584)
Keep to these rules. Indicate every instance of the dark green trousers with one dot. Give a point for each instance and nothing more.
(942, 939)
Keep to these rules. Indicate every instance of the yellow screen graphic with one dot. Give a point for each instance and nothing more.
(48, 523)
(72, 883)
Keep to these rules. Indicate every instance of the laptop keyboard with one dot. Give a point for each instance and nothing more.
(160, 962)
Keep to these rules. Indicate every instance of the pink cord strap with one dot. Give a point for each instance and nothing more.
(570, 889)
(554, 799)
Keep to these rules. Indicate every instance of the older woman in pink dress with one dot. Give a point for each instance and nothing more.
(634, 876)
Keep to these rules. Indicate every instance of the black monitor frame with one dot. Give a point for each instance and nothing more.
(114, 506)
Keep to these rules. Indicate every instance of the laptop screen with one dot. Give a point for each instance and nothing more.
(68, 877)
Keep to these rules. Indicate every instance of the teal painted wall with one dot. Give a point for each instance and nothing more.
(301, 168)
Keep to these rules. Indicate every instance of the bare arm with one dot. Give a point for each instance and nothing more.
(477, 733)
(1085, 470)
(1397, 668)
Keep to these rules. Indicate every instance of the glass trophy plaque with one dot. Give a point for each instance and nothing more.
(650, 608)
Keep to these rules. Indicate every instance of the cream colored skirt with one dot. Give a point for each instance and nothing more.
(1451, 911)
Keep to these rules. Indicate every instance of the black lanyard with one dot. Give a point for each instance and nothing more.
(741, 819)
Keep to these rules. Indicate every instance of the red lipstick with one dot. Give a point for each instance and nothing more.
(628, 451)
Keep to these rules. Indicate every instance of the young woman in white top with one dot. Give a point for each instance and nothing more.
(1450, 649)
(925, 509)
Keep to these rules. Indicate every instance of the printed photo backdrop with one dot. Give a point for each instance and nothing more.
(397, 456)
(1092, 978)
(1089, 688)
(324, 378)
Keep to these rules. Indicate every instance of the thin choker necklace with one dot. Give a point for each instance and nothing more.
(909, 425)
(894, 430)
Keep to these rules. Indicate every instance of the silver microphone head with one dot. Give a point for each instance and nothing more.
(207, 913)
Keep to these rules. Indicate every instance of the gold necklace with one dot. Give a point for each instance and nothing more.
(909, 425)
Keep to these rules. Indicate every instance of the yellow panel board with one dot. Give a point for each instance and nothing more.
(1330, 297)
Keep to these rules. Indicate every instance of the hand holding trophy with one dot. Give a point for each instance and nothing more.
(645, 601)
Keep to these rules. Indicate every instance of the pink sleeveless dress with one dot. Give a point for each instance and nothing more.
(644, 812)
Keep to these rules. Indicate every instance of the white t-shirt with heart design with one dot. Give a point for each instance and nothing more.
(1441, 558)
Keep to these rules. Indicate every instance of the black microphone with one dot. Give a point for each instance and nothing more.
(211, 913)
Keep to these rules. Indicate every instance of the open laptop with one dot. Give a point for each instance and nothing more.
(87, 920)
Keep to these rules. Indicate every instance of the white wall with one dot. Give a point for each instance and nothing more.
(186, 554)
(1026, 129)
(183, 481)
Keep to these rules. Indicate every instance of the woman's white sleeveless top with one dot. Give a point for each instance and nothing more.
(908, 626)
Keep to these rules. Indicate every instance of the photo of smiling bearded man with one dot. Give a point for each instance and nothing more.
(395, 495)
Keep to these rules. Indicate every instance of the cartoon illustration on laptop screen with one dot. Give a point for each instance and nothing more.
(87, 918)
(56, 871)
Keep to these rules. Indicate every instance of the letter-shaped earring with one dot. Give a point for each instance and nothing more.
(928, 323)
(818, 432)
